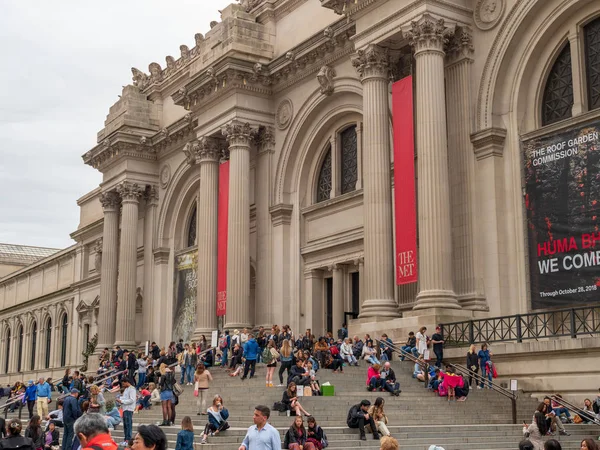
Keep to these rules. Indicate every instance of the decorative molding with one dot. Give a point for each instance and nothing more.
(98, 256)
(325, 78)
(281, 214)
(110, 200)
(372, 62)
(265, 139)
(165, 176)
(239, 134)
(428, 33)
(285, 113)
(151, 195)
(488, 13)
(130, 192)
(161, 255)
(460, 46)
(210, 149)
(488, 143)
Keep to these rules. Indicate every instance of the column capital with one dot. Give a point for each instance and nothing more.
(265, 140)
(110, 200)
(372, 61)
(460, 46)
(130, 192)
(428, 33)
(239, 133)
(151, 195)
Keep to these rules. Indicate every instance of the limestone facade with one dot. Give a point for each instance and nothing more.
(296, 95)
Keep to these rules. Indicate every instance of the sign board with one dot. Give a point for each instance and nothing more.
(214, 338)
(513, 385)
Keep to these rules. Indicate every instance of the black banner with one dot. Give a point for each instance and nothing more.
(184, 317)
(562, 195)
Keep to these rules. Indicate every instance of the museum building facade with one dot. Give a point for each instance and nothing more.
(295, 97)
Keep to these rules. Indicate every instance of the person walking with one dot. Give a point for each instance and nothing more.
(270, 356)
(251, 350)
(128, 401)
(30, 397)
(44, 395)
(202, 380)
(261, 435)
(71, 412)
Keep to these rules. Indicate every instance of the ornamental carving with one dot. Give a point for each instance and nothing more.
(461, 44)
(151, 195)
(372, 61)
(488, 13)
(209, 149)
(165, 176)
(265, 138)
(238, 133)
(130, 191)
(428, 33)
(249, 5)
(325, 78)
(98, 256)
(189, 150)
(110, 200)
(285, 112)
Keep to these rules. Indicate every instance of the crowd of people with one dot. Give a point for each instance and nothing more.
(142, 381)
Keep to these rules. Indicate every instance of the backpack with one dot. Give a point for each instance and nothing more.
(267, 356)
(136, 365)
(324, 441)
(278, 406)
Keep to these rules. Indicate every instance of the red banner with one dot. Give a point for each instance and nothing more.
(222, 222)
(404, 181)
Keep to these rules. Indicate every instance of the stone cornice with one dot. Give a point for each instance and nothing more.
(87, 282)
(281, 214)
(126, 144)
(488, 143)
(68, 252)
(346, 7)
(93, 229)
(161, 255)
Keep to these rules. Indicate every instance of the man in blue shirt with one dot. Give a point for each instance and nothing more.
(261, 436)
(44, 394)
(251, 350)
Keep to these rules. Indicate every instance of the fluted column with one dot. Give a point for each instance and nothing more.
(126, 287)
(150, 306)
(239, 136)
(372, 65)
(262, 195)
(207, 152)
(428, 36)
(338, 298)
(461, 170)
(109, 269)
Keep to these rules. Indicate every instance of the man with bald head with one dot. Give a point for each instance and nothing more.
(390, 384)
(44, 394)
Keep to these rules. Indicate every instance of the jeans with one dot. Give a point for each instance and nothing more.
(558, 411)
(67, 441)
(141, 379)
(285, 365)
(409, 349)
(224, 358)
(144, 402)
(439, 355)
(249, 365)
(189, 373)
(390, 387)
(127, 424)
(373, 360)
(375, 383)
(360, 424)
(485, 372)
(183, 369)
(351, 359)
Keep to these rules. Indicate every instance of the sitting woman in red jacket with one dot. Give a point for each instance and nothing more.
(373, 378)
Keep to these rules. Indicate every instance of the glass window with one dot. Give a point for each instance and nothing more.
(33, 345)
(349, 159)
(592, 62)
(20, 348)
(7, 352)
(324, 183)
(63, 342)
(48, 343)
(558, 92)
(191, 235)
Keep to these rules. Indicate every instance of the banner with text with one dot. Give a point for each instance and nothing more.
(404, 181)
(562, 191)
(184, 319)
(222, 223)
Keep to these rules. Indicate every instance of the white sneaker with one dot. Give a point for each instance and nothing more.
(280, 385)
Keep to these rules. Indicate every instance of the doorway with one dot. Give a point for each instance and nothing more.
(355, 293)
(328, 304)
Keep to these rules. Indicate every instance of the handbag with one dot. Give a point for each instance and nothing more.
(307, 391)
(426, 355)
(577, 418)
(324, 441)
(494, 371)
(177, 389)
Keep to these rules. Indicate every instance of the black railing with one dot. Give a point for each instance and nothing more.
(570, 322)
(588, 416)
(398, 350)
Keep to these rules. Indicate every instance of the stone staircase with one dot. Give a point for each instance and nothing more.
(417, 418)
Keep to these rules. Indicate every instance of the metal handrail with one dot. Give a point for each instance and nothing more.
(18, 399)
(566, 404)
(410, 356)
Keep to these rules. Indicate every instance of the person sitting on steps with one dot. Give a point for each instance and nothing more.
(358, 417)
(290, 400)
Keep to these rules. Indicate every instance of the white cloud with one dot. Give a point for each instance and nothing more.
(64, 64)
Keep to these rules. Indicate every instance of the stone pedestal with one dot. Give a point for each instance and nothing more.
(428, 36)
(239, 136)
(207, 152)
(372, 65)
(108, 274)
(127, 284)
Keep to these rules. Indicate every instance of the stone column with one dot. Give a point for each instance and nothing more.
(338, 297)
(428, 36)
(127, 284)
(461, 170)
(239, 135)
(108, 275)
(372, 65)
(313, 294)
(359, 155)
(150, 306)
(207, 151)
(262, 195)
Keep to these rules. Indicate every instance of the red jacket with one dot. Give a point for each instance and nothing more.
(103, 441)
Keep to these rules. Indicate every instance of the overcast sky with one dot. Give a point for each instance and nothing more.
(63, 65)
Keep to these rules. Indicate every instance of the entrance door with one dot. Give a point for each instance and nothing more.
(329, 304)
(355, 293)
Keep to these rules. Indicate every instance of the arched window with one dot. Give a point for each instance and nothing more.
(19, 348)
(191, 234)
(349, 159)
(48, 343)
(33, 345)
(324, 183)
(63, 341)
(592, 62)
(7, 351)
(558, 92)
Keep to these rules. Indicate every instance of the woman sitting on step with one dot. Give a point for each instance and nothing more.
(290, 400)
(217, 419)
(538, 428)
(296, 437)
